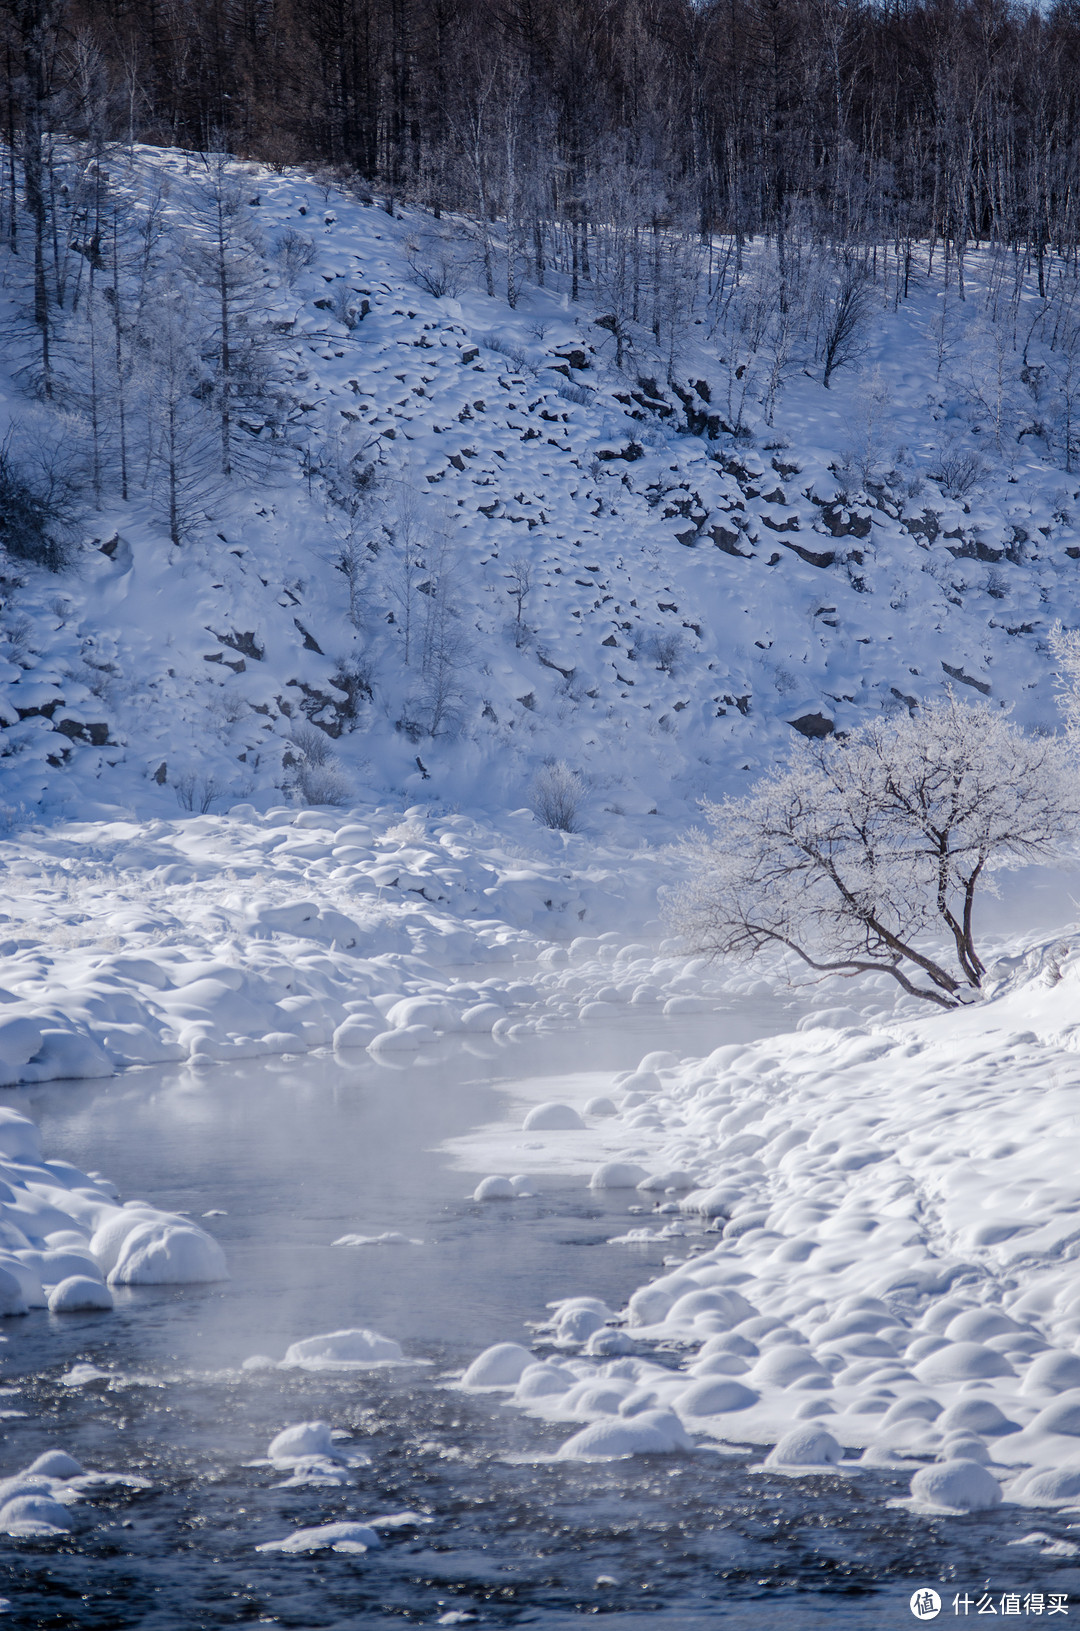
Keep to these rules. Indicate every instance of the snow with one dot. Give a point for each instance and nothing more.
(343, 1350)
(297, 1443)
(156, 1254)
(805, 1447)
(502, 1365)
(35, 1502)
(547, 1118)
(834, 1293)
(79, 1294)
(617, 1175)
(335, 1537)
(33, 1516)
(956, 1486)
(495, 1188)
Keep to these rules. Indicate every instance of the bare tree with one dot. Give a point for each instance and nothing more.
(179, 452)
(862, 856)
(845, 310)
(408, 537)
(224, 257)
(444, 646)
(520, 578)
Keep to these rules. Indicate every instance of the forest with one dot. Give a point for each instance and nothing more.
(865, 125)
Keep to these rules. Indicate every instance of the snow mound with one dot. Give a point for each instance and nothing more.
(956, 1486)
(79, 1294)
(1062, 1416)
(157, 1254)
(333, 1537)
(54, 1464)
(495, 1189)
(550, 1118)
(34, 1516)
(805, 1447)
(1052, 1372)
(343, 1350)
(302, 1440)
(502, 1365)
(617, 1175)
(1047, 1486)
(962, 1362)
(714, 1398)
(975, 1415)
(652, 1432)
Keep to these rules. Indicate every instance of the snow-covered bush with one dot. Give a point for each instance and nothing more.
(316, 776)
(663, 647)
(858, 852)
(556, 795)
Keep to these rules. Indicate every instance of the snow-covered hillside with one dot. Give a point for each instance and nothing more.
(479, 547)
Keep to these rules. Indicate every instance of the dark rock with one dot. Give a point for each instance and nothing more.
(245, 643)
(632, 451)
(927, 525)
(813, 725)
(727, 540)
(812, 557)
(567, 673)
(842, 523)
(966, 679)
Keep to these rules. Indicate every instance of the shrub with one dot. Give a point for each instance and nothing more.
(556, 795)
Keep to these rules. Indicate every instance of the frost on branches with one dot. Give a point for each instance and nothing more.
(864, 855)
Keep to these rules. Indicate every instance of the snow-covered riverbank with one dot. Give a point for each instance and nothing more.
(874, 1233)
(229, 937)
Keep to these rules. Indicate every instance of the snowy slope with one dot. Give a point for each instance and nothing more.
(691, 594)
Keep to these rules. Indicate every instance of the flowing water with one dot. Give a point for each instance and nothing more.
(292, 1155)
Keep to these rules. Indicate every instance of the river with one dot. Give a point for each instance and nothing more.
(291, 1154)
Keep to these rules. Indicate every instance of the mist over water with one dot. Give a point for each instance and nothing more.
(296, 1154)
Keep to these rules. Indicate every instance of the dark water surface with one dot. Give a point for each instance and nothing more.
(296, 1154)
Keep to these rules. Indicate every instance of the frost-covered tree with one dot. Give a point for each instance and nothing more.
(865, 855)
(1065, 645)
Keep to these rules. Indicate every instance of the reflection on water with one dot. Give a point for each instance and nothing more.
(296, 1154)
